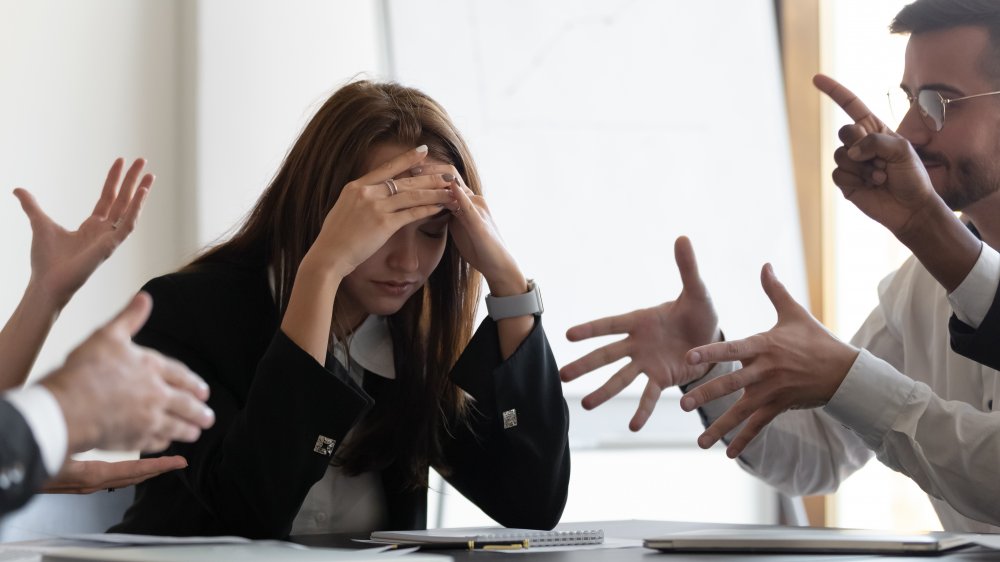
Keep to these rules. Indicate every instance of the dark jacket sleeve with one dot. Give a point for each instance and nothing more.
(513, 460)
(250, 472)
(22, 471)
(979, 344)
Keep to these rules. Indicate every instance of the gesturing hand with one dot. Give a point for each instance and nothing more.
(62, 260)
(85, 477)
(115, 394)
(657, 339)
(796, 364)
(877, 170)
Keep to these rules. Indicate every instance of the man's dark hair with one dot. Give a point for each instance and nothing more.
(936, 15)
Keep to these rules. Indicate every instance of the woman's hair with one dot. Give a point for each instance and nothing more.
(410, 420)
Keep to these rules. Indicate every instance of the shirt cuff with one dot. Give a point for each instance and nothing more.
(45, 418)
(973, 298)
(870, 398)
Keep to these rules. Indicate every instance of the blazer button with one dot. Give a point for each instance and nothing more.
(510, 418)
(324, 445)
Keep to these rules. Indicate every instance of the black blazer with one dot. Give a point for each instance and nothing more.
(249, 474)
(980, 344)
(22, 471)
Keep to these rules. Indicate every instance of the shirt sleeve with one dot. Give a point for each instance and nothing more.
(800, 452)
(870, 398)
(45, 418)
(877, 336)
(973, 297)
(950, 449)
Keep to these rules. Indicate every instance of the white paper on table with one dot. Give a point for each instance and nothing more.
(141, 540)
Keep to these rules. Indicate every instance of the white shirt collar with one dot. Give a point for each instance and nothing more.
(370, 346)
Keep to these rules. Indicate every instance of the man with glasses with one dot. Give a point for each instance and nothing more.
(804, 410)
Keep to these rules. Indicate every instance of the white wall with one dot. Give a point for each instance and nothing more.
(211, 93)
(83, 83)
(263, 69)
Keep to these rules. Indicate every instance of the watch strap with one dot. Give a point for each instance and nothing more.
(516, 305)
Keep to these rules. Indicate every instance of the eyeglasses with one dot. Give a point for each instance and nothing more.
(930, 103)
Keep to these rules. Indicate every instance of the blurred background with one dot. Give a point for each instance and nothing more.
(603, 130)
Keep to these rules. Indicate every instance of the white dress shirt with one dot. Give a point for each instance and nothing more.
(935, 423)
(339, 503)
(45, 418)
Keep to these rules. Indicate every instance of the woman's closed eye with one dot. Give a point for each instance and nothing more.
(436, 232)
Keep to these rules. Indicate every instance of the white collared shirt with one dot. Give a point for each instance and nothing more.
(937, 423)
(973, 298)
(45, 418)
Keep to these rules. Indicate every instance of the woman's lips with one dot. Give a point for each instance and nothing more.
(396, 288)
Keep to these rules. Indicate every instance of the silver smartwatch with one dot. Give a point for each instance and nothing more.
(517, 305)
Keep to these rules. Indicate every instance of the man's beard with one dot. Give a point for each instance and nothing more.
(967, 182)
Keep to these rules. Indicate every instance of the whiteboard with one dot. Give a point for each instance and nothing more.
(605, 129)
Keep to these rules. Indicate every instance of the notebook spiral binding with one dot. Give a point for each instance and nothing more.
(549, 538)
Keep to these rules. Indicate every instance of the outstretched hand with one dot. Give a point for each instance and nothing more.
(796, 364)
(117, 395)
(656, 341)
(62, 260)
(85, 477)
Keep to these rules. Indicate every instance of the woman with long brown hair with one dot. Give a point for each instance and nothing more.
(335, 329)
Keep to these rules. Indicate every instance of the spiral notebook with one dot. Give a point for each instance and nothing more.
(492, 534)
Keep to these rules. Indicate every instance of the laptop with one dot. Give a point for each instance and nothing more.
(807, 540)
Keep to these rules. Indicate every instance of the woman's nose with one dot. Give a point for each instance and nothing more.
(403, 251)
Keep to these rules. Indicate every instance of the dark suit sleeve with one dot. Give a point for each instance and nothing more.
(22, 470)
(253, 468)
(979, 344)
(513, 460)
